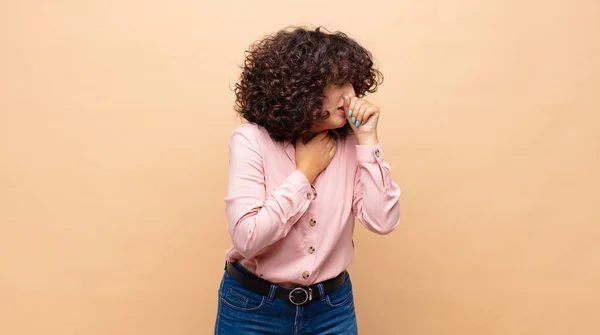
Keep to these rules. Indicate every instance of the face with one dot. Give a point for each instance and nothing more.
(333, 103)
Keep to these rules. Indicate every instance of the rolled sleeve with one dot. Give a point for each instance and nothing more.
(376, 197)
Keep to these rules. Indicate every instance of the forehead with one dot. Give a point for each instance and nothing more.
(332, 88)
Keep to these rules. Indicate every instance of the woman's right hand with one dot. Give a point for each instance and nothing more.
(314, 156)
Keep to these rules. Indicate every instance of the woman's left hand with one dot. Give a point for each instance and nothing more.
(363, 117)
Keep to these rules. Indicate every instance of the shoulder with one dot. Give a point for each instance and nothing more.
(249, 129)
(250, 133)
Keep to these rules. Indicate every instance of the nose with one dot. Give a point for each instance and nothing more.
(348, 90)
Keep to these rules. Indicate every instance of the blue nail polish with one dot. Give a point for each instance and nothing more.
(344, 99)
(357, 123)
(353, 119)
(334, 141)
(350, 113)
(363, 122)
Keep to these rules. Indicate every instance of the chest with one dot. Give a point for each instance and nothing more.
(334, 185)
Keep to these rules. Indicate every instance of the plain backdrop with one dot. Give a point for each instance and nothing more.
(114, 122)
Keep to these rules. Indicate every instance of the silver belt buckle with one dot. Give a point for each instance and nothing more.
(299, 296)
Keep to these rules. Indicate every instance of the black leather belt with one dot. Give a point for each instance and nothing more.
(298, 295)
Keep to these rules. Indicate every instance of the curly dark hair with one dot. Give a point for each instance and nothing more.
(284, 76)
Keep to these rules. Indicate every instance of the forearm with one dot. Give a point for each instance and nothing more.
(376, 203)
(252, 227)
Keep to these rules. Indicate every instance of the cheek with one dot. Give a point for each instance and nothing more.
(327, 106)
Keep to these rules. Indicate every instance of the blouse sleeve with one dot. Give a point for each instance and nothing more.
(376, 196)
(254, 220)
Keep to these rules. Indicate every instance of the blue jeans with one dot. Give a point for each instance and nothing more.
(241, 311)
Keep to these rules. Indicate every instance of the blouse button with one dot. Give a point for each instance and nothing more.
(377, 153)
(312, 222)
(311, 250)
(305, 274)
(308, 196)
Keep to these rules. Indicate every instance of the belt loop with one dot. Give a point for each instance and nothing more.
(272, 292)
(321, 291)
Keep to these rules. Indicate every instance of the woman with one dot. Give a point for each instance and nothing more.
(304, 166)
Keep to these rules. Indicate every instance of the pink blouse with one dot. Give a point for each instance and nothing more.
(288, 231)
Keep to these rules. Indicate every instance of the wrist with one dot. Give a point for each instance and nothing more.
(307, 173)
(370, 139)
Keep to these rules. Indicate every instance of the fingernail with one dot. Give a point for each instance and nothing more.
(363, 122)
(353, 119)
(350, 113)
(334, 141)
(344, 99)
(357, 123)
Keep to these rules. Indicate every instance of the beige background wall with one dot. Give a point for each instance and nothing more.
(114, 121)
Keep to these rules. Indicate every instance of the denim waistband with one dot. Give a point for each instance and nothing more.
(239, 266)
